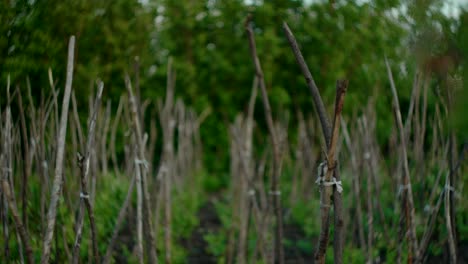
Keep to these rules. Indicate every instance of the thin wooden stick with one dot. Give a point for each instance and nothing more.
(7, 187)
(57, 185)
(338, 241)
(142, 169)
(242, 174)
(429, 229)
(83, 163)
(274, 192)
(431, 222)
(319, 106)
(407, 193)
(328, 184)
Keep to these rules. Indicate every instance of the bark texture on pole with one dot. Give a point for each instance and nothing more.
(7, 189)
(83, 163)
(60, 155)
(327, 134)
(274, 192)
(328, 183)
(407, 193)
(141, 170)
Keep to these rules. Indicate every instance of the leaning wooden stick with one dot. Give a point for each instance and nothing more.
(58, 179)
(142, 168)
(274, 192)
(407, 193)
(338, 241)
(327, 181)
(83, 163)
(434, 210)
(319, 106)
(6, 168)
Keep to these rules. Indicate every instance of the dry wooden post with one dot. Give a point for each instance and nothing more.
(7, 188)
(274, 191)
(83, 163)
(338, 241)
(326, 180)
(242, 170)
(319, 106)
(407, 193)
(433, 213)
(57, 185)
(141, 168)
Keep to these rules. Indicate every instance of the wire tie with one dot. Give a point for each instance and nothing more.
(402, 188)
(142, 162)
(271, 192)
(323, 182)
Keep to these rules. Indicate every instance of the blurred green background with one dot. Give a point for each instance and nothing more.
(339, 39)
(207, 40)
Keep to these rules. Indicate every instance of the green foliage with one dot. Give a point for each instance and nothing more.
(301, 212)
(217, 244)
(210, 50)
(214, 71)
(185, 206)
(354, 255)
